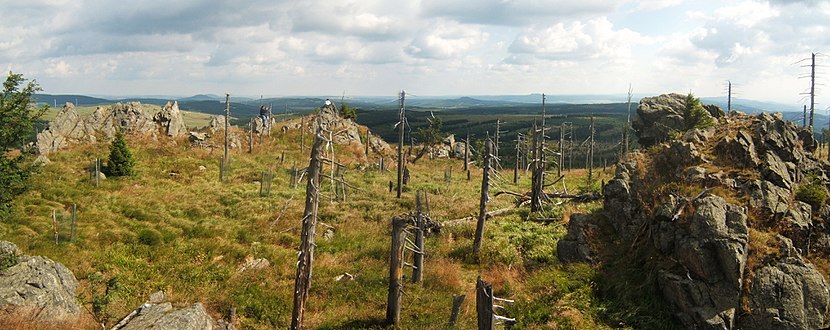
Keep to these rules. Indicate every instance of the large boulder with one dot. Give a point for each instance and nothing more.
(37, 283)
(711, 252)
(658, 116)
(164, 316)
(788, 294)
(171, 120)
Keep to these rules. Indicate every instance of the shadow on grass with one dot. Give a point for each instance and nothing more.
(371, 323)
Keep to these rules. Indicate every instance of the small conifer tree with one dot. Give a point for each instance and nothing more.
(121, 162)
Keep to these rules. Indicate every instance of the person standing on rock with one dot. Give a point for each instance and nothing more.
(263, 114)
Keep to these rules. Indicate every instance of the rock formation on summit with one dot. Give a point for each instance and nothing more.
(68, 127)
(717, 210)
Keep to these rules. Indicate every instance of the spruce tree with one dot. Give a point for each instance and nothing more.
(18, 114)
(121, 162)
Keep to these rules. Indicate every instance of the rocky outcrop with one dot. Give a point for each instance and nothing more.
(658, 116)
(711, 252)
(787, 294)
(574, 246)
(170, 118)
(37, 283)
(157, 314)
(164, 316)
(705, 269)
(345, 131)
(132, 118)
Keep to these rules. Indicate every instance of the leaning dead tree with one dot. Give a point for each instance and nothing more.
(302, 280)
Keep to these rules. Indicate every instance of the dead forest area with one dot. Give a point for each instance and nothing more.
(177, 227)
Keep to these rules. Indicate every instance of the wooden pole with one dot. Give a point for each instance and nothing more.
(393, 304)
(55, 225)
(227, 123)
(302, 280)
(812, 89)
(516, 165)
(536, 189)
(221, 169)
(368, 135)
(97, 172)
(418, 263)
(485, 187)
(561, 150)
(591, 152)
(467, 151)
(302, 135)
(457, 301)
(496, 147)
(401, 123)
(484, 305)
(74, 219)
(251, 137)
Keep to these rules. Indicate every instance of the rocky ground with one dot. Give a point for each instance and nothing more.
(718, 211)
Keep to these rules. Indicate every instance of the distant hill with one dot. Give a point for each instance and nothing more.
(60, 100)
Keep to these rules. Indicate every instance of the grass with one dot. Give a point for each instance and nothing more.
(175, 227)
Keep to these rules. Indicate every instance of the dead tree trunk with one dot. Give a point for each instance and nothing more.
(590, 162)
(561, 150)
(74, 219)
(484, 305)
(251, 137)
(393, 303)
(536, 174)
(518, 163)
(457, 300)
(302, 281)
(401, 123)
(302, 135)
(485, 187)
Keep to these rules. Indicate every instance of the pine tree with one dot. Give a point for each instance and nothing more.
(17, 117)
(121, 162)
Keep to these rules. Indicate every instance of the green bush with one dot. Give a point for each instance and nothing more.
(121, 162)
(7, 261)
(149, 237)
(812, 193)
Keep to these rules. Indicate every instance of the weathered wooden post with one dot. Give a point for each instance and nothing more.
(537, 170)
(366, 151)
(74, 218)
(221, 170)
(227, 123)
(561, 150)
(457, 301)
(302, 280)
(55, 226)
(393, 303)
(401, 124)
(516, 166)
(484, 305)
(485, 187)
(467, 151)
(302, 135)
(418, 263)
(251, 137)
(97, 172)
(590, 162)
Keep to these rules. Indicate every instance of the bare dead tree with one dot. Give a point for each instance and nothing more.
(401, 123)
(302, 280)
(393, 302)
(485, 188)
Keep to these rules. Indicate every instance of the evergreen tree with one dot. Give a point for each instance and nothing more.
(348, 112)
(121, 162)
(696, 116)
(17, 117)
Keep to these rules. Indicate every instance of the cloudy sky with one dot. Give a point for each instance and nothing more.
(427, 47)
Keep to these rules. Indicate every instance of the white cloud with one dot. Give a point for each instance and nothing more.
(595, 38)
(446, 40)
(59, 69)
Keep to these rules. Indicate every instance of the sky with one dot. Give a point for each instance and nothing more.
(426, 47)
